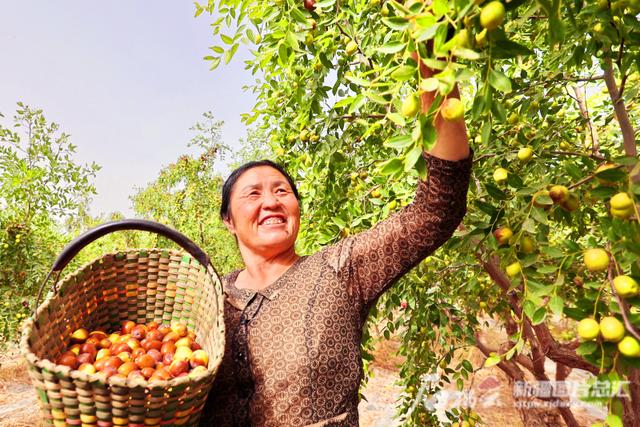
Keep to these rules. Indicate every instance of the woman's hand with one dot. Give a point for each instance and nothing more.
(452, 142)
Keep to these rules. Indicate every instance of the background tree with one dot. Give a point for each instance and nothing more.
(40, 187)
(187, 196)
(551, 101)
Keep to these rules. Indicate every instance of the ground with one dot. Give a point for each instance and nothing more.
(489, 390)
(18, 405)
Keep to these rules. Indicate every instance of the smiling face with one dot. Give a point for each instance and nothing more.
(264, 213)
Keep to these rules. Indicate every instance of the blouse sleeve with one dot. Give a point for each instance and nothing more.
(371, 261)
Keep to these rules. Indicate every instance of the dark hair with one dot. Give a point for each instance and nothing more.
(227, 187)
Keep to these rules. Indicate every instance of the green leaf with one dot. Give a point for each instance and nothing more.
(559, 280)
(538, 316)
(553, 251)
(283, 54)
(293, 42)
(499, 81)
(358, 80)
(359, 102)
(434, 63)
(469, 54)
(391, 48)
(612, 175)
(429, 133)
(494, 191)
(539, 215)
(508, 49)
(626, 160)
(556, 304)
(325, 62)
(491, 361)
(421, 167)
(500, 113)
(529, 226)
(344, 102)
(229, 54)
(396, 23)
(396, 118)
(430, 84)
(485, 133)
(376, 98)
(603, 192)
(546, 269)
(199, 9)
(228, 40)
(214, 63)
(404, 72)
(613, 420)
(586, 348)
(440, 7)
(529, 308)
(544, 199)
(427, 33)
(391, 167)
(297, 15)
(339, 222)
(325, 4)
(399, 141)
(485, 207)
(573, 171)
(412, 157)
(556, 28)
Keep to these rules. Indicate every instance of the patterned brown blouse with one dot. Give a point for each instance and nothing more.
(293, 349)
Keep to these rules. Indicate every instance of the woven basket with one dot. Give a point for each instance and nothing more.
(141, 285)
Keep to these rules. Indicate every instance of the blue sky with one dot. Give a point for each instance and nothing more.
(125, 79)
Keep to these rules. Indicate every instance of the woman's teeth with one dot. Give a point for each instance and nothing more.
(273, 221)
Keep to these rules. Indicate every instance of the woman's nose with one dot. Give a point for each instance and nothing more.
(269, 199)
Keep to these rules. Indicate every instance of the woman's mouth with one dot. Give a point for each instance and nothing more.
(272, 220)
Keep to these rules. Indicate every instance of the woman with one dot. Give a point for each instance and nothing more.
(294, 324)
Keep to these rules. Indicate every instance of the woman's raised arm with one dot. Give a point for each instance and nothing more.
(371, 261)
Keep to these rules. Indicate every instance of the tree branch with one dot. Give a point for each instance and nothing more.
(539, 373)
(619, 64)
(634, 389)
(584, 111)
(582, 79)
(573, 153)
(543, 338)
(628, 133)
(352, 117)
(344, 32)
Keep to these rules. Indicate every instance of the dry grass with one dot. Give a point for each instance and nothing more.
(18, 402)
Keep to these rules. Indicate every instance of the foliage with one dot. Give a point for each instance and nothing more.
(186, 196)
(559, 77)
(254, 147)
(40, 187)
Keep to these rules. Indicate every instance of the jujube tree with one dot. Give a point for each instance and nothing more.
(550, 91)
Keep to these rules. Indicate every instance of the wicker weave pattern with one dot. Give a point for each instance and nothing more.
(139, 285)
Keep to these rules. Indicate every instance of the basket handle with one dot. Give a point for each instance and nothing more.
(76, 245)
